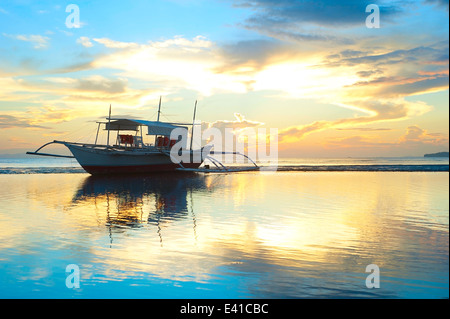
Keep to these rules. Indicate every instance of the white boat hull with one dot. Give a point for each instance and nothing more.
(107, 161)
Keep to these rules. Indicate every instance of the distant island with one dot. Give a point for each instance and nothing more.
(440, 154)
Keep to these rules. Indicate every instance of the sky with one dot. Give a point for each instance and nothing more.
(332, 86)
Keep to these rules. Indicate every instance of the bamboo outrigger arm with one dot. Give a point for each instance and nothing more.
(47, 154)
(236, 153)
(220, 168)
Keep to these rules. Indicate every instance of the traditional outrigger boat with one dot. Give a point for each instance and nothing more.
(130, 154)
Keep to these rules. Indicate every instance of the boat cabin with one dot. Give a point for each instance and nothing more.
(160, 130)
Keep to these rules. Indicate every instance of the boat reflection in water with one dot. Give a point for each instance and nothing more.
(141, 201)
(253, 235)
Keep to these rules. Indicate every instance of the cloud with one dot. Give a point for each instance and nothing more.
(43, 117)
(239, 124)
(9, 121)
(436, 53)
(414, 138)
(115, 44)
(40, 117)
(413, 133)
(84, 41)
(71, 68)
(177, 63)
(296, 133)
(13, 89)
(394, 73)
(60, 99)
(17, 141)
(364, 129)
(311, 21)
(53, 115)
(399, 86)
(366, 74)
(416, 135)
(230, 132)
(283, 31)
(251, 55)
(101, 84)
(442, 3)
(418, 87)
(381, 111)
(360, 142)
(38, 41)
(66, 85)
(322, 12)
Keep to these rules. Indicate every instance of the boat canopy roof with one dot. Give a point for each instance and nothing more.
(154, 127)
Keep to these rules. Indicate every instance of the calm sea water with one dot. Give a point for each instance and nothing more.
(290, 234)
(42, 165)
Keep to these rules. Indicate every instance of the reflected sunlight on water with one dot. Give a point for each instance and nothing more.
(258, 235)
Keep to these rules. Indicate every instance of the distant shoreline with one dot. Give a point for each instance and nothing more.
(440, 154)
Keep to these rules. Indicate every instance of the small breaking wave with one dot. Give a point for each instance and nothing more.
(366, 168)
(41, 170)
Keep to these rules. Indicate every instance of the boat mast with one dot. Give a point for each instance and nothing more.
(159, 112)
(159, 108)
(96, 136)
(109, 125)
(193, 124)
